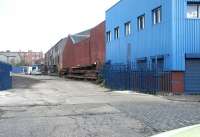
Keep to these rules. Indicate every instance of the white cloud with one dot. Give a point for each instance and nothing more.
(39, 24)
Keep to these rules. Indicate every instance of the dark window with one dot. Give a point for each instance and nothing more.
(127, 28)
(157, 64)
(193, 10)
(116, 33)
(108, 36)
(34, 68)
(156, 15)
(141, 22)
(160, 64)
(142, 65)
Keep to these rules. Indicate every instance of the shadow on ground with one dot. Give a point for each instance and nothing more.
(23, 82)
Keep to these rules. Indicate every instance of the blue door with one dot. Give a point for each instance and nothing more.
(192, 76)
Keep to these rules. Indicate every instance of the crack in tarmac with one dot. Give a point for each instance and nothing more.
(68, 115)
(32, 105)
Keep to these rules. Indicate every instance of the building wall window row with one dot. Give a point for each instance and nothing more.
(156, 18)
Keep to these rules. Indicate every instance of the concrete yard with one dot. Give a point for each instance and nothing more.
(44, 106)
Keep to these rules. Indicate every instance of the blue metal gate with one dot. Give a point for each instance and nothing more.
(192, 76)
(5, 78)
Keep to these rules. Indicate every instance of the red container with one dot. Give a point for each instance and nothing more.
(87, 51)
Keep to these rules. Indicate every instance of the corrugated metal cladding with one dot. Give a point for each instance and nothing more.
(154, 40)
(186, 34)
(87, 51)
(174, 37)
(5, 78)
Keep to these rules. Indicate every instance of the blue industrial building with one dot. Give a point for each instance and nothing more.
(156, 34)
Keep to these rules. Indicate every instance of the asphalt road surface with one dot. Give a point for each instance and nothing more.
(44, 106)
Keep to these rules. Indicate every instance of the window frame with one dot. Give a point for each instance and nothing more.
(156, 20)
(139, 22)
(108, 36)
(142, 64)
(127, 28)
(116, 33)
(193, 3)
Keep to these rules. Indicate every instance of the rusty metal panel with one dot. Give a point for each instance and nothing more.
(87, 51)
(97, 41)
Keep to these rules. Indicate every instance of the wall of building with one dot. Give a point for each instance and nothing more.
(173, 38)
(30, 58)
(186, 33)
(21, 58)
(154, 40)
(54, 56)
(61, 47)
(13, 58)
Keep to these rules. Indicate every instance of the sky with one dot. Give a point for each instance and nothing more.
(39, 24)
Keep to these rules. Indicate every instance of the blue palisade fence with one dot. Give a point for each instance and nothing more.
(5, 78)
(128, 77)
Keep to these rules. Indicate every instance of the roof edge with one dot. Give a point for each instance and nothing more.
(114, 6)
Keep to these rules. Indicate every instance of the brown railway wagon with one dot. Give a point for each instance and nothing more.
(83, 50)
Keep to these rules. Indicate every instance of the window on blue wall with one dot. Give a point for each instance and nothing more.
(157, 64)
(156, 15)
(193, 10)
(116, 33)
(141, 22)
(108, 36)
(142, 65)
(127, 28)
